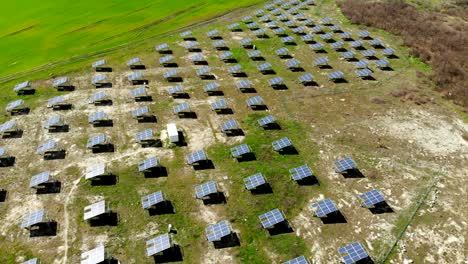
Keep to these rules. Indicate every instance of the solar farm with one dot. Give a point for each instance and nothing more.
(268, 135)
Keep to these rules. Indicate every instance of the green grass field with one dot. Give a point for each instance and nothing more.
(59, 30)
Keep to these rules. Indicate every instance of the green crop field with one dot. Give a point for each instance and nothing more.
(35, 33)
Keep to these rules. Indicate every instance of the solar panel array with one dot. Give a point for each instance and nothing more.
(288, 39)
(279, 31)
(212, 33)
(226, 55)
(298, 260)
(158, 244)
(254, 181)
(246, 42)
(293, 63)
(33, 218)
(317, 46)
(152, 199)
(244, 84)
(282, 51)
(53, 121)
(196, 157)
(205, 189)
(96, 140)
(148, 163)
(219, 43)
(372, 198)
(271, 218)
(162, 47)
(144, 135)
(192, 45)
(382, 63)
(166, 59)
(363, 34)
(254, 54)
(198, 57)
(368, 53)
(240, 150)
(218, 231)
(94, 210)
(186, 34)
(301, 172)
(324, 207)
(348, 55)
(40, 178)
(337, 45)
(352, 253)
(281, 144)
(93, 256)
(235, 69)
(361, 64)
(267, 120)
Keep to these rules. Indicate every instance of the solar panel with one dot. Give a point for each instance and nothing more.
(140, 91)
(363, 34)
(283, 17)
(96, 140)
(282, 52)
(166, 59)
(301, 172)
(31, 261)
(186, 34)
(361, 64)
(133, 61)
(388, 51)
(203, 71)
(98, 116)
(324, 207)
(346, 35)
(298, 30)
(275, 81)
(170, 73)
(158, 244)
(337, 45)
(3, 151)
(317, 46)
(226, 55)
(356, 44)
(259, 32)
(254, 181)
(144, 135)
(244, 84)
(252, 25)
(39, 179)
(345, 164)
(326, 20)
(352, 253)
(152, 199)
(272, 24)
(299, 16)
(98, 79)
(7, 126)
(298, 260)
(93, 256)
(33, 218)
(375, 42)
(95, 170)
(336, 75)
(15, 104)
(287, 39)
(281, 143)
(307, 37)
(327, 36)
(235, 69)
(205, 189)
(220, 104)
(139, 112)
(162, 47)
(98, 63)
(335, 28)
(192, 45)
(306, 78)
(55, 120)
(55, 101)
(246, 42)
(293, 63)
(183, 107)
(218, 231)
(316, 29)
(135, 76)
(97, 97)
(348, 55)
(368, 53)
(271, 218)
(290, 23)
(364, 73)
(264, 66)
(60, 81)
(46, 146)
(372, 198)
(265, 18)
(254, 54)
(256, 100)
(219, 43)
(21, 86)
(149, 163)
(94, 209)
(382, 63)
(175, 89)
(240, 150)
(197, 57)
(266, 120)
(212, 33)
(213, 86)
(233, 26)
(196, 157)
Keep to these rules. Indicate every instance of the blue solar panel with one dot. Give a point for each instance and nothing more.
(205, 189)
(96, 140)
(254, 181)
(14, 105)
(271, 218)
(140, 91)
(98, 116)
(254, 54)
(307, 37)
(275, 81)
(97, 97)
(356, 44)
(364, 73)
(316, 29)
(144, 135)
(375, 42)
(139, 112)
(47, 146)
(363, 34)
(166, 59)
(240, 150)
(266, 120)
(226, 55)
(204, 71)
(345, 164)
(162, 47)
(321, 61)
(336, 75)
(196, 156)
(192, 45)
(198, 57)
(246, 42)
(175, 89)
(256, 100)
(22, 86)
(345, 35)
(361, 64)
(220, 104)
(348, 55)
(388, 51)
(382, 63)
(148, 163)
(288, 39)
(229, 125)
(33, 218)
(252, 25)
(324, 207)
(294, 64)
(180, 108)
(264, 67)
(158, 244)
(368, 53)
(281, 144)
(98, 63)
(337, 45)
(327, 36)
(55, 120)
(244, 84)
(133, 61)
(372, 198)
(317, 46)
(60, 81)
(233, 26)
(298, 260)
(210, 87)
(301, 172)
(40, 178)
(55, 100)
(212, 33)
(306, 78)
(8, 126)
(282, 52)
(135, 76)
(326, 20)
(170, 74)
(219, 44)
(98, 79)
(218, 231)
(353, 253)
(259, 32)
(186, 34)
(335, 28)
(149, 200)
